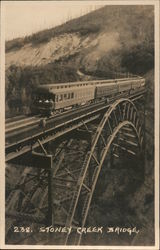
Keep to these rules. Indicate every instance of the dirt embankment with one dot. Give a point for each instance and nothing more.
(92, 48)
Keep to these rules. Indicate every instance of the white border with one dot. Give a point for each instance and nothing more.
(2, 134)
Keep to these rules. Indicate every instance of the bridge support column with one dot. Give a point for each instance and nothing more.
(43, 163)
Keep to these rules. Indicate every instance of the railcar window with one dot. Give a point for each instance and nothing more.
(60, 97)
(52, 98)
(72, 95)
(69, 95)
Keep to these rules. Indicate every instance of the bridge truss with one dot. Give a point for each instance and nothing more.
(65, 181)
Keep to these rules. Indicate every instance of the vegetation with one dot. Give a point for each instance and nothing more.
(46, 35)
(140, 59)
(135, 54)
(20, 82)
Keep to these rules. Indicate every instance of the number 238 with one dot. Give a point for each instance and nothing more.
(22, 230)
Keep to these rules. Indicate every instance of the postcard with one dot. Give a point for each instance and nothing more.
(80, 125)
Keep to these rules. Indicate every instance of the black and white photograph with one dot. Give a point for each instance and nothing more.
(80, 114)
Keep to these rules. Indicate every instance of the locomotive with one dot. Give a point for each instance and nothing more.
(52, 98)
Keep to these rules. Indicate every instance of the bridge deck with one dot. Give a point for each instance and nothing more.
(20, 138)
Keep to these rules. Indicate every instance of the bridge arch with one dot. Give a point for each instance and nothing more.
(121, 122)
(68, 185)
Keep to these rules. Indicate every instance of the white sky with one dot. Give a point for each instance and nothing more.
(24, 18)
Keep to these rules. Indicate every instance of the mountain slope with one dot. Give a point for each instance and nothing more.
(95, 35)
(106, 41)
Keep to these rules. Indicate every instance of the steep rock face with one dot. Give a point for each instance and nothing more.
(90, 48)
(57, 47)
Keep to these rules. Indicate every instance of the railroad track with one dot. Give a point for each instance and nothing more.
(14, 118)
(19, 123)
(22, 138)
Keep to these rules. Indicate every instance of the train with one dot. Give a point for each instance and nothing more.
(51, 98)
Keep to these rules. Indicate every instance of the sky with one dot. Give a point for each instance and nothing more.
(23, 18)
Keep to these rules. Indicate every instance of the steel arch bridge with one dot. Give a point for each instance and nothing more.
(118, 133)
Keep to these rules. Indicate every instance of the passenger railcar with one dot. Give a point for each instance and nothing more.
(57, 97)
(106, 89)
(72, 96)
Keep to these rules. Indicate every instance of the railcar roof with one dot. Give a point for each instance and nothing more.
(46, 86)
(74, 88)
(64, 90)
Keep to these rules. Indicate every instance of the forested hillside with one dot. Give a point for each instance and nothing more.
(110, 40)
